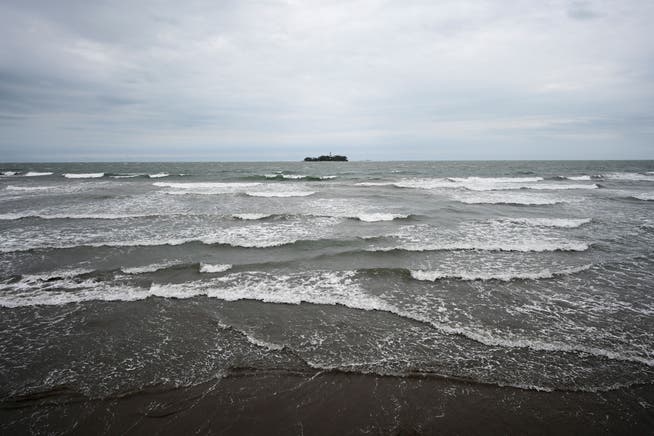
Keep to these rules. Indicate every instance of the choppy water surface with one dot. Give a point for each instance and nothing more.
(538, 275)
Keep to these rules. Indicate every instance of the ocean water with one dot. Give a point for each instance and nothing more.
(117, 277)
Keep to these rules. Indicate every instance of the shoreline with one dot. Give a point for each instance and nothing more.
(279, 402)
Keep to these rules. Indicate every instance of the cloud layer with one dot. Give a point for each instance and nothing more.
(278, 80)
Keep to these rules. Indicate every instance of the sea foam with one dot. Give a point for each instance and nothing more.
(83, 175)
(433, 275)
(37, 174)
(211, 268)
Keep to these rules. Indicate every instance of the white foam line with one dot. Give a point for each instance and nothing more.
(217, 268)
(339, 289)
(645, 196)
(17, 216)
(205, 185)
(83, 175)
(432, 276)
(566, 223)
(519, 247)
(28, 188)
(37, 174)
(374, 217)
(251, 216)
(321, 287)
(148, 268)
(280, 193)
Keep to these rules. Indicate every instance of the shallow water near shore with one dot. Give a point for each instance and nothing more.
(528, 276)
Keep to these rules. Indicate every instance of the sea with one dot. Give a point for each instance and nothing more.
(533, 275)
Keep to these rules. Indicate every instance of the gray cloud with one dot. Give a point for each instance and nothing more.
(281, 79)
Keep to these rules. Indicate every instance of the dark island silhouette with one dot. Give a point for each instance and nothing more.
(329, 158)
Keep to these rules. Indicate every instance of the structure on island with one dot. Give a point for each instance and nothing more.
(330, 158)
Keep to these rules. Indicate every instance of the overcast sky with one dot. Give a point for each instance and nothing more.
(280, 80)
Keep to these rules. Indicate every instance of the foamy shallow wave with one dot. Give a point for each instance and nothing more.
(434, 275)
(37, 174)
(8, 173)
(635, 177)
(319, 287)
(28, 188)
(205, 185)
(206, 188)
(83, 175)
(78, 216)
(565, 223)
(214, 268)
(480, 184)
(509, 198)
(259, 235)
(280, 194)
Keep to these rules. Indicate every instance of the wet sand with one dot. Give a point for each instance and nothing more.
(333, 403)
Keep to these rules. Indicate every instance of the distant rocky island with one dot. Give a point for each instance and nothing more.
(329, 158)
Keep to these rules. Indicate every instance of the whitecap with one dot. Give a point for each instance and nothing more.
(279, 193)
(83, 175)
(251, 216)
(214, 268)
(148, 268)
(158, 175)
(645, 196)
(509, 198)
(206, 188)
(518, 246)
(635, 177)
(433, 275)
(374, 217)
(375, 184)
(37, 174)
(579, 178)
(126, 176)
(8, 173)
(73, 216)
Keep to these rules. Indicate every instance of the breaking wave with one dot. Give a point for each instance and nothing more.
(645, 196)
(28, 188)
(320, 287)
(375, 217)
(565, 223)
(507, 198)
(431, 275)
(37, 174)
(83, 175)
(148, 268)
(279, 193)
(210, 268)
(518, 246)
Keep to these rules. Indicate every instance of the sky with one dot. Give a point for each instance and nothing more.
(267, 80)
